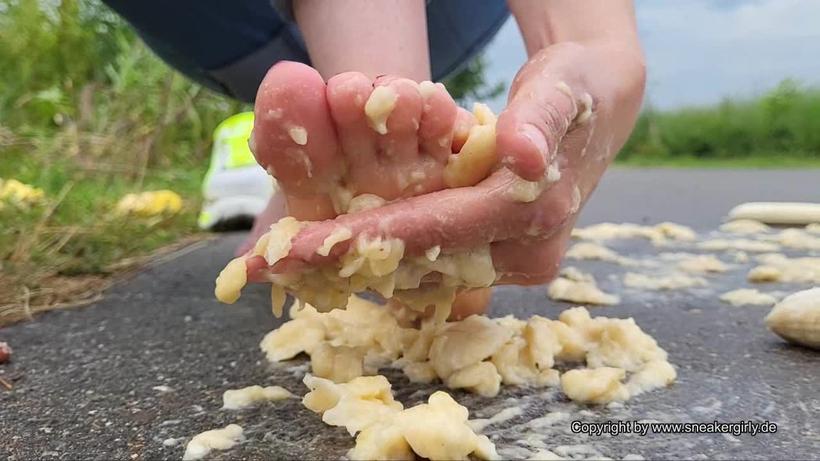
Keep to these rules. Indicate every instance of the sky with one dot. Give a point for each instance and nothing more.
(699, 52)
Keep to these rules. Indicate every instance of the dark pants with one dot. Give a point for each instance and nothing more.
(228, 45)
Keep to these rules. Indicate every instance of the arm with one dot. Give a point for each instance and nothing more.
(547, 23)
(572, 105)
(593, 47)
(372, 37)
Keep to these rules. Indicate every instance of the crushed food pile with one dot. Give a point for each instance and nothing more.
(478, 354)
(592, 360)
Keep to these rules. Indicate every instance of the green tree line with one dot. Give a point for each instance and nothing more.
(784, 122)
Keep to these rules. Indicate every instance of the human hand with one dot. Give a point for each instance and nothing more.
(571, 105)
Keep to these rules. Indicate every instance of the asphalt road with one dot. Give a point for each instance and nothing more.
(150, 361)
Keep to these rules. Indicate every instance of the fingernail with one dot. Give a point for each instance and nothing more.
(537, 139)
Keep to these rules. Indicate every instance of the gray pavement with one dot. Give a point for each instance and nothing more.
(85, 381)
(698, 198)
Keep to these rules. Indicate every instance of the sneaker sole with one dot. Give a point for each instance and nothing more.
(231, 213)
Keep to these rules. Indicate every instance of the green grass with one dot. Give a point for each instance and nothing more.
(67, 247)
(751, 162)
(89, 114)
(777, 128)
(84, 233)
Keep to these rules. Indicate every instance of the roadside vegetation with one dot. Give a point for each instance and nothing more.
(776, 129)
(89, 114)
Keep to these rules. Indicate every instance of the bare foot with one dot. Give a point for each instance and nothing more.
(322, 147)
(562, 110)
(315, 137)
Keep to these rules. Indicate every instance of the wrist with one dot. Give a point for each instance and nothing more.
(598, 66)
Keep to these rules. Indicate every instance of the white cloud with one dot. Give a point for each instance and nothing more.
(699, 52)
(711, 20)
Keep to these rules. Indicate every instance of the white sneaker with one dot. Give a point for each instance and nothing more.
(235, 188)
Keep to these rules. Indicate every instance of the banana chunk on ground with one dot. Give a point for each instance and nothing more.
(659, 234)
(797, 318)
(438, 429)
(662, 283)
(775, 267)
(249, 397)
(745, 226)
(435, 430)
(595, 385)
(577, 287)
(478, 354)
(778, 212)
(215, 439)
(747, 297)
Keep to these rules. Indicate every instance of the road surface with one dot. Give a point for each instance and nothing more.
(149, 362)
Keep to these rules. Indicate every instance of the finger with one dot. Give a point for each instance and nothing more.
(452, 219)
(532, 262)
(532, 126)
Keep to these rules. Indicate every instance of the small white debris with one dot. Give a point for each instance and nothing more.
(238, 399)
(379, 106)
(298, 134)
(215, 439)
(171, 442)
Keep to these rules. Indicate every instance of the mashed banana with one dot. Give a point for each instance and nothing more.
(667, 282)
(658, 234)
(775, 267)
(574, 286)
(797, 318)
(477, 156)
(477, 354)
(747, 297)
(248, 397)
(215, 439)
(377, 264)
(435, 430)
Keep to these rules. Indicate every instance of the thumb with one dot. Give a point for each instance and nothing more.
(459, 218)
(532, 126)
